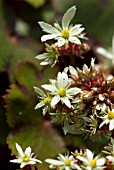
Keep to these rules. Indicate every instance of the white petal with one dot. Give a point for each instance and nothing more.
(58, 26)
(55, 100)
(49, 87)
(82, 159)
(110, 158)
(104, 122)
(75, 166)
(66, 101)
(73, 71)
(100, 161)
(23, 164)
(74, 40)
(16, 160)
(89, 155)
(75, 27)
(62, 80)
(54, 162)
(39, 105)
(19, 149)
(27, 151)
(35, 160)
(73, 91)
(31, 163)
(48, 28)
(48, 37)
(61, 42)
(62, 157)
(104, 53)
(44, 63)
(67, 168)
(42, 56)
(39, 91)
(76, 31)
(111, 125)
(68, 17)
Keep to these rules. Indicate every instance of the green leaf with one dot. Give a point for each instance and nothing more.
(36, 3)
(20, 108)
(26, 75)
(43, 139)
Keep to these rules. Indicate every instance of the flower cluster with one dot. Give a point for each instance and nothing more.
(68, 39)
(82, 99)
(79, 160)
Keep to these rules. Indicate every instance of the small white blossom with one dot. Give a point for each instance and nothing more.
(108, 54)
(50, 56)
(64, 162)
(61, 90)
(108, 119)
(90, 162)
(25, 158)
(66, 33)
(45, 100)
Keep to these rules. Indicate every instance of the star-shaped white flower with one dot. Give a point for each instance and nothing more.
(108, 54)
(90, 162)
(66, 33)
(45, 100)
(25, 158)
(61, 90)
(108, 119)
(50, 56)
(64, 162)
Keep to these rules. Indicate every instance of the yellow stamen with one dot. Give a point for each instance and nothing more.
(65, 33)
(67, 162)
(25, 158)
(47, 100)
(110, 114)
(62, 91)
(93, 163)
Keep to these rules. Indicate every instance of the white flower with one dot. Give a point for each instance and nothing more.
(109, 54)
(64, 162)
(66, 33)
(108, 118)
(50, 57)
(45, 100)
(90, 162)
(25, 158)
(61, 90)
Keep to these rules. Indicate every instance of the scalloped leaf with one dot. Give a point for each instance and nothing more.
(26, 75)
(20, 109)
(43, 139)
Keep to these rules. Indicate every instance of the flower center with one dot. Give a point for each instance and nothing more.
(65, 33)
(110, 114)
(93, 163)
(67, 162)
(25, 158)
(62, 91)
(47, 100)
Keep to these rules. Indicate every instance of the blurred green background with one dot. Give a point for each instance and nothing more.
(20, 71)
